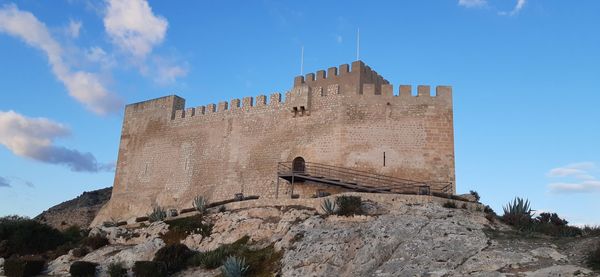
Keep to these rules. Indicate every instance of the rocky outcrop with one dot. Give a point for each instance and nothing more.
(80, 211)
(392, 239)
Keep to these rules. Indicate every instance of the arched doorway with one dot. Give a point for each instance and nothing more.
(298, 165)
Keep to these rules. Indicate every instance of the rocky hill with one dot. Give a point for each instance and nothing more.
(395, 236)
(79, 211)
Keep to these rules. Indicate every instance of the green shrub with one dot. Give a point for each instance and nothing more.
(210, 259)
(551, 218)
(200, 204)
(490, 217)
(174, 256)
(593, 258)
(449, 204)
(328, 206)
(550, 229)
(117, 269)
(95, 242)
(74, 234)
(517, 213)
(475, 194)
(222, 209)
(149, 269)
(21, 267)
(234, 267)
(25, 236)
(158, 214)
(83, 269)
(214, 258)
(349, 205)
(488, 210)
(261, 262)
(588, 230)
(80, 252)
(180, 228)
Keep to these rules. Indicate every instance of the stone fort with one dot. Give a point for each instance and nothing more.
(336, 130)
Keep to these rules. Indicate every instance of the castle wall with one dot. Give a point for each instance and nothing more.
(169, 154)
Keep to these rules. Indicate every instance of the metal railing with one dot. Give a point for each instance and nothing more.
(357, 179)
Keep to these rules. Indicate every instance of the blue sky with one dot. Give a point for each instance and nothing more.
(524, 74)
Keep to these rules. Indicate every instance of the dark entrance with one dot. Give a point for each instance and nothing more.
(298, 165)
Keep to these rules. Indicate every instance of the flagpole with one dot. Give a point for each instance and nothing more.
(302, 61)
(358, 44)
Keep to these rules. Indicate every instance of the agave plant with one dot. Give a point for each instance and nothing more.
(158, 214)
(328, 207)
(518, 212)
(234, 267)
(200, 204)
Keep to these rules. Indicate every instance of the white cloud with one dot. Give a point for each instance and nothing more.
(133, 27)
(166, 72)
(136, 31)
(579, 170)
(472, 3)
(85, 87)
(74, 28)
(99, 56)
(34, 138)
(579, 175)
(518, 7)
(583, 186)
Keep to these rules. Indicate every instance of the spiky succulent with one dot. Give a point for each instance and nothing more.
(328, 206)
(234, 267)
(200, 204)
(517, 212)
(158, 214)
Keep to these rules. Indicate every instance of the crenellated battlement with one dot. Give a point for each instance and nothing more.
(350, 80)
(403, 95)
(357, 81)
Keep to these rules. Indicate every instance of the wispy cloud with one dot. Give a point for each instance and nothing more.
(518, 7)
(4, 183)
(10, 181)
(74, 28)
(472, 3)
(86, 87)
(34, 138)
(167, 71)
(133, 27)
(577, 177)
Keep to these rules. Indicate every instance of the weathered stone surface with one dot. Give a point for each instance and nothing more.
(489, 261)
(122, 235)
(127, 255)
(549, 253)
(262, 225)
(423, 240)
(398, 239)
(469, 197)
(560, 271)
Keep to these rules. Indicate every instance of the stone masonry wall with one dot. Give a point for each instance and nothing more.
(169, 154)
